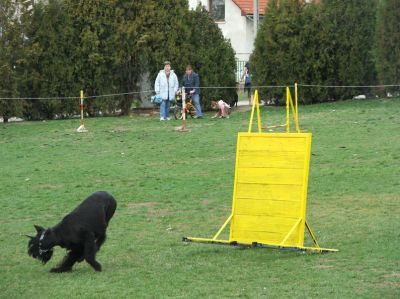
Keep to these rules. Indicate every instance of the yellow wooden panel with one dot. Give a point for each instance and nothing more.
(277, 144)
(268, 207)
(273, 192)
(268, 176)
(264, 223)
(271, 159)
(270, 188)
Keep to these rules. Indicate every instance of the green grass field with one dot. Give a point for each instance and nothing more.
(170, 185)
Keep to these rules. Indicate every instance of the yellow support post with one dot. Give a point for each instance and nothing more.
(256, 106)
(81, 107)
(294, 111)
(290, 232)
(296, 100)
(251, 116)
(287, 110)
(81, 128)
(222, 227)
(258, 111)
(312, 235)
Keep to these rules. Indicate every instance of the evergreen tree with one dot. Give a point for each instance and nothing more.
(211, 56)
(326, 44)
(94, 29)
(348, 36)
(48, 62)
(388, 42)
(11, 41)
(104, 47)
(276, 59)
(173, 36)
(313, 55)
(131, 38)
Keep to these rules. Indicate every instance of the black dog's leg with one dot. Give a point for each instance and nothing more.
(70, 259)
(90, 251)
(99, 241)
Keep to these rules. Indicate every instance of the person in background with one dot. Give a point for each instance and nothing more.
(223, 109)
(166, 86)
(246, 77)
(191, 82)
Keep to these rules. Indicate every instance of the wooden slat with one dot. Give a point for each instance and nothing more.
(272, 192)
(267, 208)
(276, 144)
(268, 176)
(264, 223)
(269, 159)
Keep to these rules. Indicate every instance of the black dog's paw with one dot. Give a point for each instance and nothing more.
(97, 267)
(60, 270)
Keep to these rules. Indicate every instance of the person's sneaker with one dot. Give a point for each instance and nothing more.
(162, 118)
(198, 117)
(168, 118)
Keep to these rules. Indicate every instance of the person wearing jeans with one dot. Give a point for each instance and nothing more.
(166, 86)
(191, 82)
(246, 77)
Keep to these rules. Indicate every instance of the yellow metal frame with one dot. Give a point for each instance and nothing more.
(289, 106)
(270, 188)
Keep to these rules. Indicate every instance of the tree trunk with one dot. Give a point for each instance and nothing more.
(126, 104)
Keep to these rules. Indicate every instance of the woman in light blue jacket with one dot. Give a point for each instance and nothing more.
(166, 86)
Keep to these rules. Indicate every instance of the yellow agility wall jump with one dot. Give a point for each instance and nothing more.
(270, 188)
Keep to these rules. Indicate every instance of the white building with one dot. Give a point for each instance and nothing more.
(235, 19)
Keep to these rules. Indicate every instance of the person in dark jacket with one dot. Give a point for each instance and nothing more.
(246, 77)
(191, 82)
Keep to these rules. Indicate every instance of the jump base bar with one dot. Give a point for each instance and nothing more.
(258, 245)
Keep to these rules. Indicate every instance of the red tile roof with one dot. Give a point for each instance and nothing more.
(246, 6)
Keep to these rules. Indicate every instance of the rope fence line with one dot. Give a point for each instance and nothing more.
(204, 87)
(349, 86)
(74, 98)
(118, 94)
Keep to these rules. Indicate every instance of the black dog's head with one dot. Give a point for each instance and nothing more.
(39, 246)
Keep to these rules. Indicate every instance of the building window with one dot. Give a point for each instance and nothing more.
(217, 9)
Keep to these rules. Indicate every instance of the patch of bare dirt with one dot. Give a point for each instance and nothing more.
(138, 205)
(158, 213)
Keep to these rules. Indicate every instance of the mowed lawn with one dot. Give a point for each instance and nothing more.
(169, 185)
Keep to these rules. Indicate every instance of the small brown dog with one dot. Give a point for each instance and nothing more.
(223, 109)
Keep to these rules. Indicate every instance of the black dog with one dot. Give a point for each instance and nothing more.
(81, 232)
(235, 99)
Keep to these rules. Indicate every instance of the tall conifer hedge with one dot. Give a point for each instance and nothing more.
(388, 42)
(326, 44)
(103, 47)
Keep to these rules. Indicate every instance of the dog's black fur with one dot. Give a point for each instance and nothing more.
(81, 232)
(235, 99)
